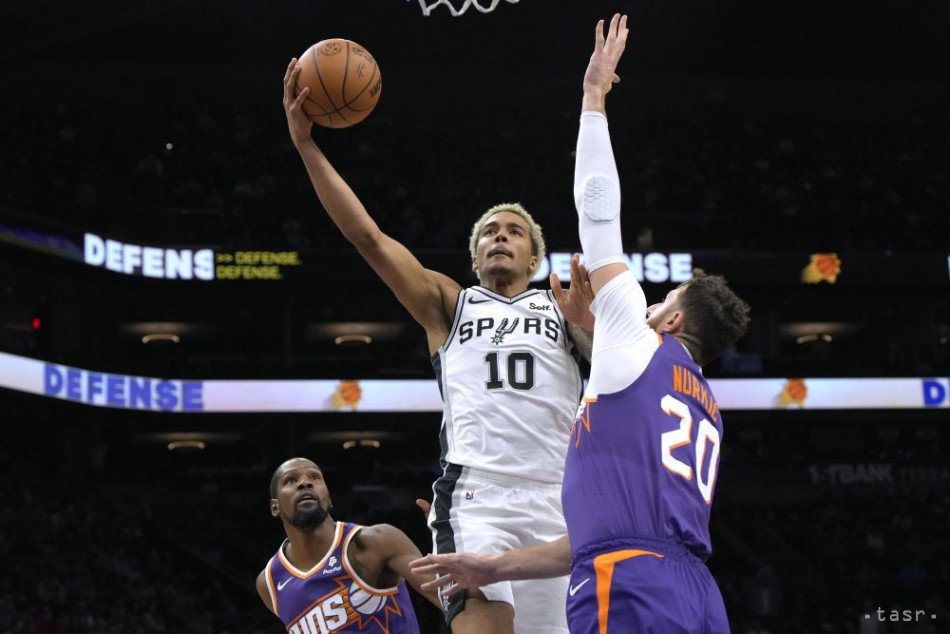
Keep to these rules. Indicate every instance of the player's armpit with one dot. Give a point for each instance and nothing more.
(263, 592)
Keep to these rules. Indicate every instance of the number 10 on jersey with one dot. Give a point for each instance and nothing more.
(518, 368)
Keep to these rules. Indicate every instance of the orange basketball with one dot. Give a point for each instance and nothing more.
(344, 82)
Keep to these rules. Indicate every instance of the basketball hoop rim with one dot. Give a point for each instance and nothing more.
(466, 4)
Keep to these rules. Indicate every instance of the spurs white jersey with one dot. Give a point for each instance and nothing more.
(509, 383)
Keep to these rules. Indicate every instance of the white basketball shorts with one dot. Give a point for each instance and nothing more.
(484, 512)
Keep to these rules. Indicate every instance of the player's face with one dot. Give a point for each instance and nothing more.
(303, 499)
(504, 248)
(662, 317)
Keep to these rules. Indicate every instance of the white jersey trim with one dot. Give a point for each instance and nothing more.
(337, 536)
(569, 343)
(557, 311)
(455, 323)
(366, 587)
(508, 300)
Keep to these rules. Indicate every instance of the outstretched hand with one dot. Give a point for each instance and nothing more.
(297, 120)
(602, 70)
(575, 302)
(456, 572)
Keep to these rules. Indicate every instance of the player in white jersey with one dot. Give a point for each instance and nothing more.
(509, 382)
(501, 369)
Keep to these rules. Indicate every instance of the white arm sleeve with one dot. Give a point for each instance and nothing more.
(597, 193)
(623, 341)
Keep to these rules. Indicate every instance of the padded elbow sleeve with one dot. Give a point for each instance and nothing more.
(597, 193)
(600, 198)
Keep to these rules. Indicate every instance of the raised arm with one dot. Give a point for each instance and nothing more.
(429, 296)
(467, 571)
(596, 183)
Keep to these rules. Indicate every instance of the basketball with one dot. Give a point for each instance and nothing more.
(344, 82)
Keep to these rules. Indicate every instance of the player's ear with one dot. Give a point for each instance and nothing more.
(274, 510)
(675, 322)
(475, 264)
(532, 265)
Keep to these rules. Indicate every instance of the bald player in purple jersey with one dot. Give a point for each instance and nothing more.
(332, 576)
(641, 467)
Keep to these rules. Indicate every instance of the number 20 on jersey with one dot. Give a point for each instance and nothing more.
(706, 435)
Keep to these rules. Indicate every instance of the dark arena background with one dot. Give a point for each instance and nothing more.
(802, 149)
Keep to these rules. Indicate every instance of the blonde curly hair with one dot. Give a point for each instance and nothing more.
(538, 248)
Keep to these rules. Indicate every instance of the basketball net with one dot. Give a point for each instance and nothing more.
(427, 9)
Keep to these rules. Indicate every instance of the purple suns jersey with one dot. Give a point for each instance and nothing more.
(331, 597)
(643, 458)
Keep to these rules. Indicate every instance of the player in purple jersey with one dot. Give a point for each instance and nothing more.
(644, 451)
(332, 576)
